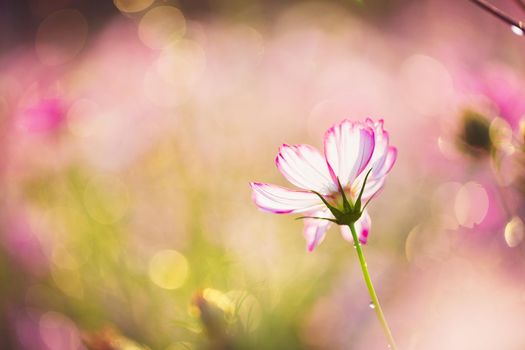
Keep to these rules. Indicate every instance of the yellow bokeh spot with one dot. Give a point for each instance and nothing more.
(161, 26)
(175, 74)
(514, 232)
(132, 5)
(182, 63)
(220, 300)
(168, 269)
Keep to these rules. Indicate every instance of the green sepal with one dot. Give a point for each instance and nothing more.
(315, 217)
(358, 200)
(347, 206)
(351, 212)
(335, 212)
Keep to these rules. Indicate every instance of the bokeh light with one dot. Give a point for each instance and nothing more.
(168, 269)
(161, 26)
(133, 5)
(471, 204)
(59, 332)
(61, 37)
(514, 232)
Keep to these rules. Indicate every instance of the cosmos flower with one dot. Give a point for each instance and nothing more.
(357, 157)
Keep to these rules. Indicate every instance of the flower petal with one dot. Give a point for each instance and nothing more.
(390, 159)
(362, 228)
(382, 160)
(280, 200)
(348, 148)
(381, 143)
(375, 183)
(315, 229)
(305, 167)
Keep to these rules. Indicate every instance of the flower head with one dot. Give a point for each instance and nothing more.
(334, 186)
(474, 135)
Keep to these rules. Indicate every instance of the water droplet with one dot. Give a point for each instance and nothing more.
(372, 305)
(517, 30)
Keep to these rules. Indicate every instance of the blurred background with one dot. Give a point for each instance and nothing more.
(131, 128)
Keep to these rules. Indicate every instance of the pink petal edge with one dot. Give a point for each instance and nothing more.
(363, 162)
(262, 191)
(306, 171)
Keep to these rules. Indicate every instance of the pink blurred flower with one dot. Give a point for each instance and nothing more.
(351, 151)
(495, 89)
(44, 116)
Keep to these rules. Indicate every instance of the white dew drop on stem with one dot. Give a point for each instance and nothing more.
(517, 30)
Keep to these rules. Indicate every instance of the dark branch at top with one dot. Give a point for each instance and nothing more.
(500, 14)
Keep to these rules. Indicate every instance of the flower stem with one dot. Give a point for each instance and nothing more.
(371, 290)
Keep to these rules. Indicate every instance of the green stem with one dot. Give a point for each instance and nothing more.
(371, 290)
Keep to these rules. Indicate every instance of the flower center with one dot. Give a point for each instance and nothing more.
(336, 198)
